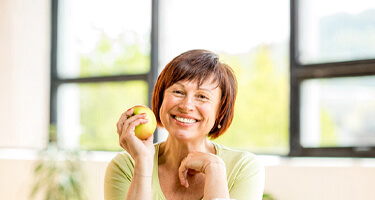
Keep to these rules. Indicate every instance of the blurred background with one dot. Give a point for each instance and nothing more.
(305, 69)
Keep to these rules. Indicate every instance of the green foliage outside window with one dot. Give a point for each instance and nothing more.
(261, 112)
(114, 57)
(327, 130)
(101, 104)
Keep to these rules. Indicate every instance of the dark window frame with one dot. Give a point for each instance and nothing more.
(300, 72)
(56, 81)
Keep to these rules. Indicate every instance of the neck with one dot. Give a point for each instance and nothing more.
(172, 152)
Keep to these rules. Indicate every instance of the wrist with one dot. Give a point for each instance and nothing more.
(215, 166)
(144, 167)
(142, 175)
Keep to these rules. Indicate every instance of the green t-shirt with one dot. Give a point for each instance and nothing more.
(245, 175)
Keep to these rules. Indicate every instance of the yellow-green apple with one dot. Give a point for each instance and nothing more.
(144, 131)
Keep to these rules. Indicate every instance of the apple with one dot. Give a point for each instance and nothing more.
(144, 131)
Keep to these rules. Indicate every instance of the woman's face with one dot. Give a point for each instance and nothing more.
(188, 111)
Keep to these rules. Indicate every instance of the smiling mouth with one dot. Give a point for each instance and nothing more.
(185, 120)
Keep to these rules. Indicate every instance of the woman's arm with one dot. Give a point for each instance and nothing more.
(141, 151)
(140, 186)
(216, 185)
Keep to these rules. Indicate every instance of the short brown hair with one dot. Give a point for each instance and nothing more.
(198, 65)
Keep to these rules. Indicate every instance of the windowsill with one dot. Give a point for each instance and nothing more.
(267, 160)
(33, 154)
(18, 154)
(270, 161)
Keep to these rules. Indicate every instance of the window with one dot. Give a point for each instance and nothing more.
(252, 37)
(101, 65)
(332, 78)
(106, 54)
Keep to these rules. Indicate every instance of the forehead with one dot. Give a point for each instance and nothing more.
(210, 83)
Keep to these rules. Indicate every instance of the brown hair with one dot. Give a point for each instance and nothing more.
(198, 65)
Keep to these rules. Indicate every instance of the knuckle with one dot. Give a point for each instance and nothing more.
(123, 114)
(134, 123)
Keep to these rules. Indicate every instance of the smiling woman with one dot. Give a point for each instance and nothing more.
(203, 68)
(193, 99)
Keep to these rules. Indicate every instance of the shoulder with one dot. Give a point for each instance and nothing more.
(120, 167)
(122, 159)
(233, 155)
(240, 161)
(245, 173)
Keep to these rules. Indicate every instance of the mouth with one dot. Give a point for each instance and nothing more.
(185, 120)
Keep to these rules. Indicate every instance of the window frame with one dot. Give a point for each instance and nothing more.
(300, 72)
(56, 81)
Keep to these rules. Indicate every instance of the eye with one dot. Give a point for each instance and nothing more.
(201, 96)
(179, 92)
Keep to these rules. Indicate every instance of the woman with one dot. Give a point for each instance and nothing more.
(193, 99)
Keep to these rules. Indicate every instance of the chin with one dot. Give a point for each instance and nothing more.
(184, 136)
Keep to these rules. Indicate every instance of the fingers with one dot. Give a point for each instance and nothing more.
(128, 120)
(190, 165)
(126, 126)
(130, 124)
(124, 116)
(127, 133)
(197, 162)
(182, 173)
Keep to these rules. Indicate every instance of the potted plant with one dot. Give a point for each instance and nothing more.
(59, 175)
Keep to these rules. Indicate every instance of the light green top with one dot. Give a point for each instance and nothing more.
(245, 175)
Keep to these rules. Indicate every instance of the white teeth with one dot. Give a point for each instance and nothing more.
(185, 120)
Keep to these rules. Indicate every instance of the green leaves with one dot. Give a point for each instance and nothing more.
(59, 175)
(261, 112)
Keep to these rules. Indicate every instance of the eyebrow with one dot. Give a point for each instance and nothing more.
(200, 88)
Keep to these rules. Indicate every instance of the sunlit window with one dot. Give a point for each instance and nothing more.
(332, 31)
(102, 68)
(103, 62)
(338, 112)
(332, 78)
(103, 38)
(252, 37)
(304, 92)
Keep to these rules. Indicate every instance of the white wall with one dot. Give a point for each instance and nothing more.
(321, 179)
(24, 90)
(24, 72)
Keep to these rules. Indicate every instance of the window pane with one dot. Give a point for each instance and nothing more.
(335, 30)
(88, 113)
(256, 49)
(101, 38)
(338, 112)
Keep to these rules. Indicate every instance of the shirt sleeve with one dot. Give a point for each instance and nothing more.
(118, 177)
(249, 180)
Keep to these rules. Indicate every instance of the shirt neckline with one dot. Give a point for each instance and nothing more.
(156, 170)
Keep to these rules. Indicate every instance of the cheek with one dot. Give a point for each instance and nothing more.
(215, 112)
(163, 111)
(211, 112)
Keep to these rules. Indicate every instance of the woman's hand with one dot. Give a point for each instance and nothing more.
(199, 162)
(138, 149)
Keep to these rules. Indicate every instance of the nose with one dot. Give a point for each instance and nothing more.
(186, 105)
